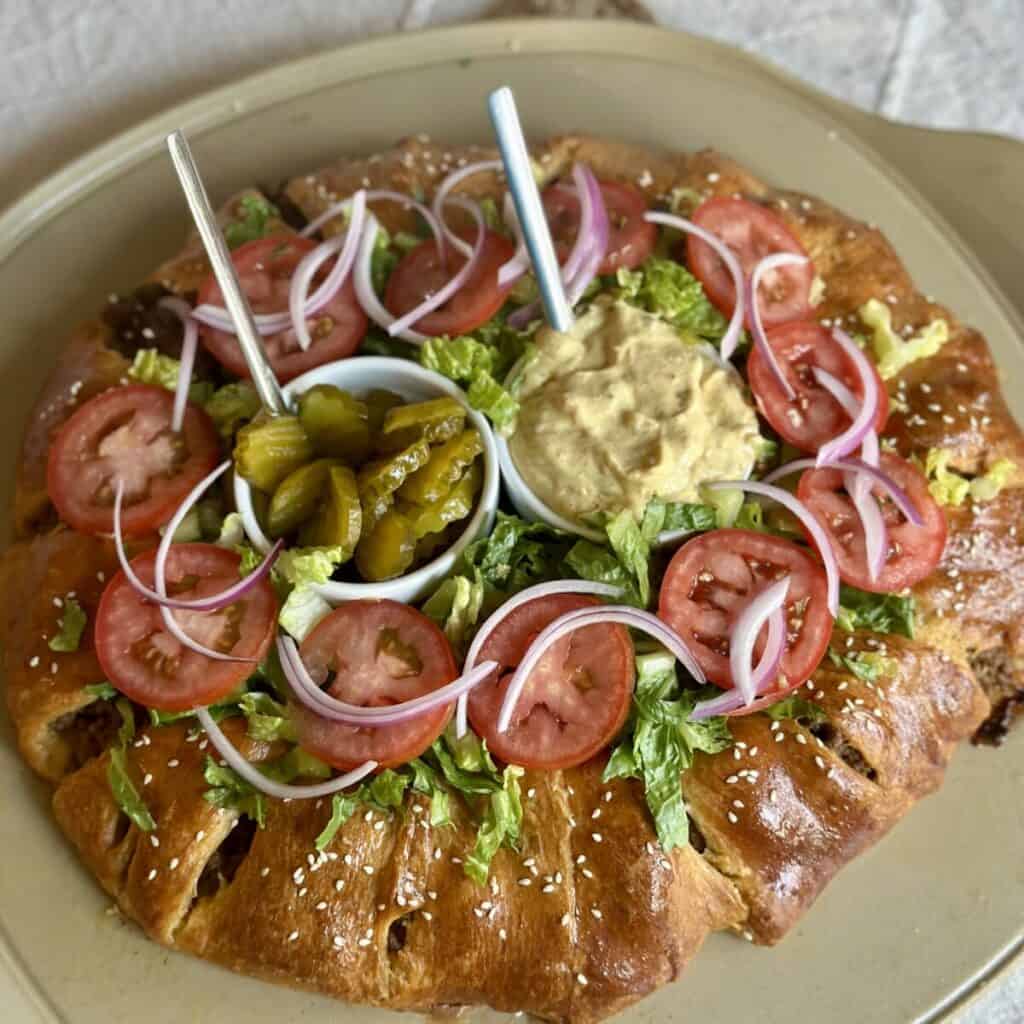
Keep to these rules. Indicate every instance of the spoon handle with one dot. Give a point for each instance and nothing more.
(266, 384)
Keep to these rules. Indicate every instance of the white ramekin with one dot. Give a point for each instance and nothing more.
(359, 375)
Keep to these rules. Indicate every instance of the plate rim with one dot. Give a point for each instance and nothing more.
(79, 178)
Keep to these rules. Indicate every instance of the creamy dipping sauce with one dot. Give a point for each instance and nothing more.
(620, 410)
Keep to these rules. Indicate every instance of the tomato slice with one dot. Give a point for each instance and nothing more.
(420, 274)
(914, 551)
(575, 700)
(751, 232)
(125, 433)
(265, 267)
(375, 653)
(813, 417)
(147, 664)
(631, 239)
(714, 576)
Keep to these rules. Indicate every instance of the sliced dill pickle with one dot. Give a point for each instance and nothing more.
(388, 549)
(297, 497)
(447, 463)
(268, 450)
(456, 504)
(339, 520)
(336, 422)
(378, 403)
(378, 480)
(435, 421)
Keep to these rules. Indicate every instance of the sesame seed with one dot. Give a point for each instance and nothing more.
(529, 862)
(531, 793)
(298, 876)
(779, 737)
(322, 905)
(348, 859)
(303, 891)
(264, 872)
(596, 913)
(478, 912)
(58, 603)
(427, 915)
(53, 668)
(34, 662)
(173, 763)
(338, 942)
(732, 817)
(548, 888)
(819, 761)
(608, 797)
(772, 796)
(147, 778)
(153, 841)
(801, 738)
(364, 942)
(339, 885)
(368, 869)
(565, 920)
(431, 895)
(151, 875)
(738, 804)
(502, 934)
(596, 836)
(174, 862)
(596, 814)
(587, 873)
(582, 979)
(732, 780)
(525, 882)
(437, 854)
(753, 752)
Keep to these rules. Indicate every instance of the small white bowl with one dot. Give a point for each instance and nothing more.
(359, 375)
(529, 506)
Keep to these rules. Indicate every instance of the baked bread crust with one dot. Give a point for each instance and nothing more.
(386, 915)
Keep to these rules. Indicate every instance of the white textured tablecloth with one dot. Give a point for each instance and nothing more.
(75, 72)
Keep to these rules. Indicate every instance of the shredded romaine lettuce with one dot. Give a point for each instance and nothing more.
(125, 793)
(893, 353)
(70, 627)
(949, 488)
(150, 366)
(253, 221)
(877, 613)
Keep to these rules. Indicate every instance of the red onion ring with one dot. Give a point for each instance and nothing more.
(300, 304)
(864, 419)
(160, 571)
(899, 497)
(513, 269)
(189, 343)
(362, 279)
(876, 535)
(441, 197)
(625, 615)
(803, 513)
(202, 604)
(744, 636)
(592, 237)
(767, 670)
(778, 259)
(533, 593)
(251, 774)
(731, 338)
(323, 704)
(446, 291)
(374, 196)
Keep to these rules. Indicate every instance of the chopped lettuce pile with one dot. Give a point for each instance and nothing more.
(949, 488)
(893, 353)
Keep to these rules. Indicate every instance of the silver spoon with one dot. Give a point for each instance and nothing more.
(267, 386)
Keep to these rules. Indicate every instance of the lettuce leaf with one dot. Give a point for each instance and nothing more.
(266, 718)
(877, 613)
(125, 793)
(893, 353)
(300, 569)
(995, 478)
(70, 627)
(668, 290)
(949, 488)
(150, 366)
(501, 825)
(660, 741)
(231, 792)
(101, 691)
(795, 706)
(252, 221)
(455, 606)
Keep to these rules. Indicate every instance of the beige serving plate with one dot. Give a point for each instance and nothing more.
(904, 933)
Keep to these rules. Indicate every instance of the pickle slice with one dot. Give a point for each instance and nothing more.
(339, 520)
(446, 464)
(388, 549)
(268, 450)
(337, 423)
(436, 421)
(297, 497)
(378, 403)
(378, 480)
(456, 504)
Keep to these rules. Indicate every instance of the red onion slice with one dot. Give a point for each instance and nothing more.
(160, 571)
(323, 704)
(731, 338)
(189, 343)
(744, 636)
(363, 280)
(625, 615)
(848, 400)
(446, 291)
(803, 513)
(773, 262)
(591, 238)
(766, 672)
(251, 774)
(899, 497)
(374, 196)
(202, 604)
(864, 419)
(300, 304)
(533, 593)
(446, 186)
(513, 269)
